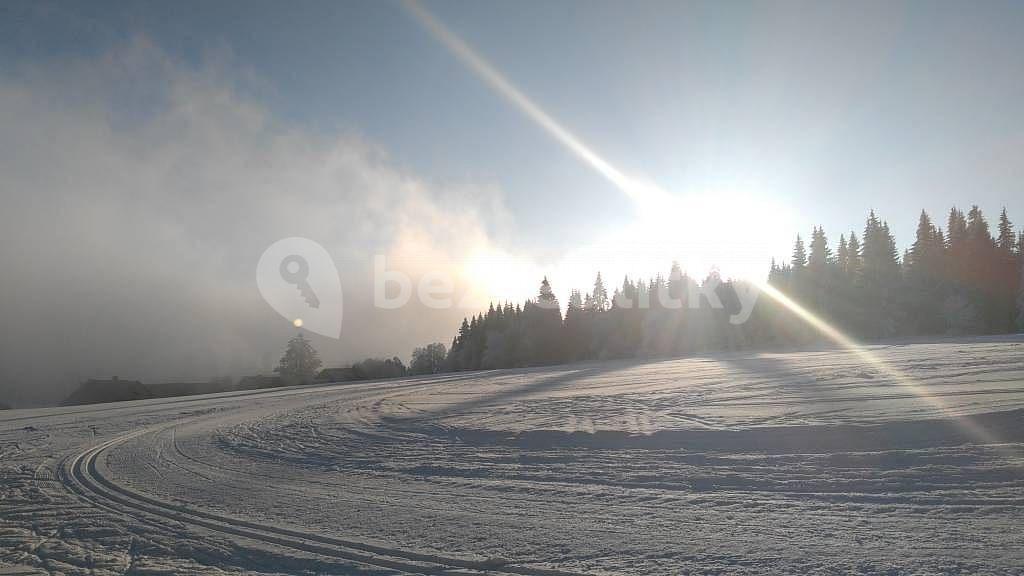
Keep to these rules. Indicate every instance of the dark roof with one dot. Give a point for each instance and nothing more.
(336, 373)
(256, 382)
(173, 389)
(114, 390)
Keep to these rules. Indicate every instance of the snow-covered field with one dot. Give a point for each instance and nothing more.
(798, 462)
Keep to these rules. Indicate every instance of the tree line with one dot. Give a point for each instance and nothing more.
(959, 280)
(300, 364)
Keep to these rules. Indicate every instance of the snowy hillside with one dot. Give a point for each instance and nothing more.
(796, 462)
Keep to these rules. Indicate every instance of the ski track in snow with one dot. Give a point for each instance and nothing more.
(790, 462)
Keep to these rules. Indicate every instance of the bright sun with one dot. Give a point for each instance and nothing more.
(701, 232)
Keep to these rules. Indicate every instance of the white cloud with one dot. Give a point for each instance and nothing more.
(138, 195)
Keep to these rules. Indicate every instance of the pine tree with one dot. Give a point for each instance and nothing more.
(599, 297)
(575, 301)
(588, 302)
(626, 297)
(818, 285)
(1006, 276)
(799, 260)
(474, 348)
(628, 321)
(982, 268)
(924, 272)
(879, 250)
(925, 256)
(879, 279)
(1007, 238)
(855, 262)
(842, 255)
(546, 298)
(576, 328)
(458, 356)
(960, 313)
(798, 281)
(956, 245)
(841, 299)
(956, 228)
(821, 255)
(299, 363)
(979, 237)
(543, 338)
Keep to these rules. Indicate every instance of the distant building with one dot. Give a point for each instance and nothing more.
(113, 390)
(257, 382)
(336, 374)
(174, 389)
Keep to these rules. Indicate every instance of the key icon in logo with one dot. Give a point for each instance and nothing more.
(300, 263)
(295, 270)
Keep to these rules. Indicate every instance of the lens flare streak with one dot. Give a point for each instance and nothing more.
(638, 191)
(875, 362)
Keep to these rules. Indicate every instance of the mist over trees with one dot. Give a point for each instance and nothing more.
(959, 280)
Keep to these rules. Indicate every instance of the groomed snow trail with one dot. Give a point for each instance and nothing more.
(797, 462)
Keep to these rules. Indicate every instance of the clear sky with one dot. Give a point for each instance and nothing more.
(756, 120)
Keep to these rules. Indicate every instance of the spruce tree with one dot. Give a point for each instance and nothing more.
(854, 259)
(599, 297)
(925, 256)
(956, 228)
(821, 255)
(956, 245)
(799, 260)
(575, 301)
(542, 320)
(879, 279)
(923, 265)
(299, 363)
(842, 255)
(1007, 239)
(981, 271)
(626, 297)
(820, 274)
(1006, 275)
(546, 298)
(576, 336)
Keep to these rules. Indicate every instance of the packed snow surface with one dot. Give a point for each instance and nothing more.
(793, 462)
